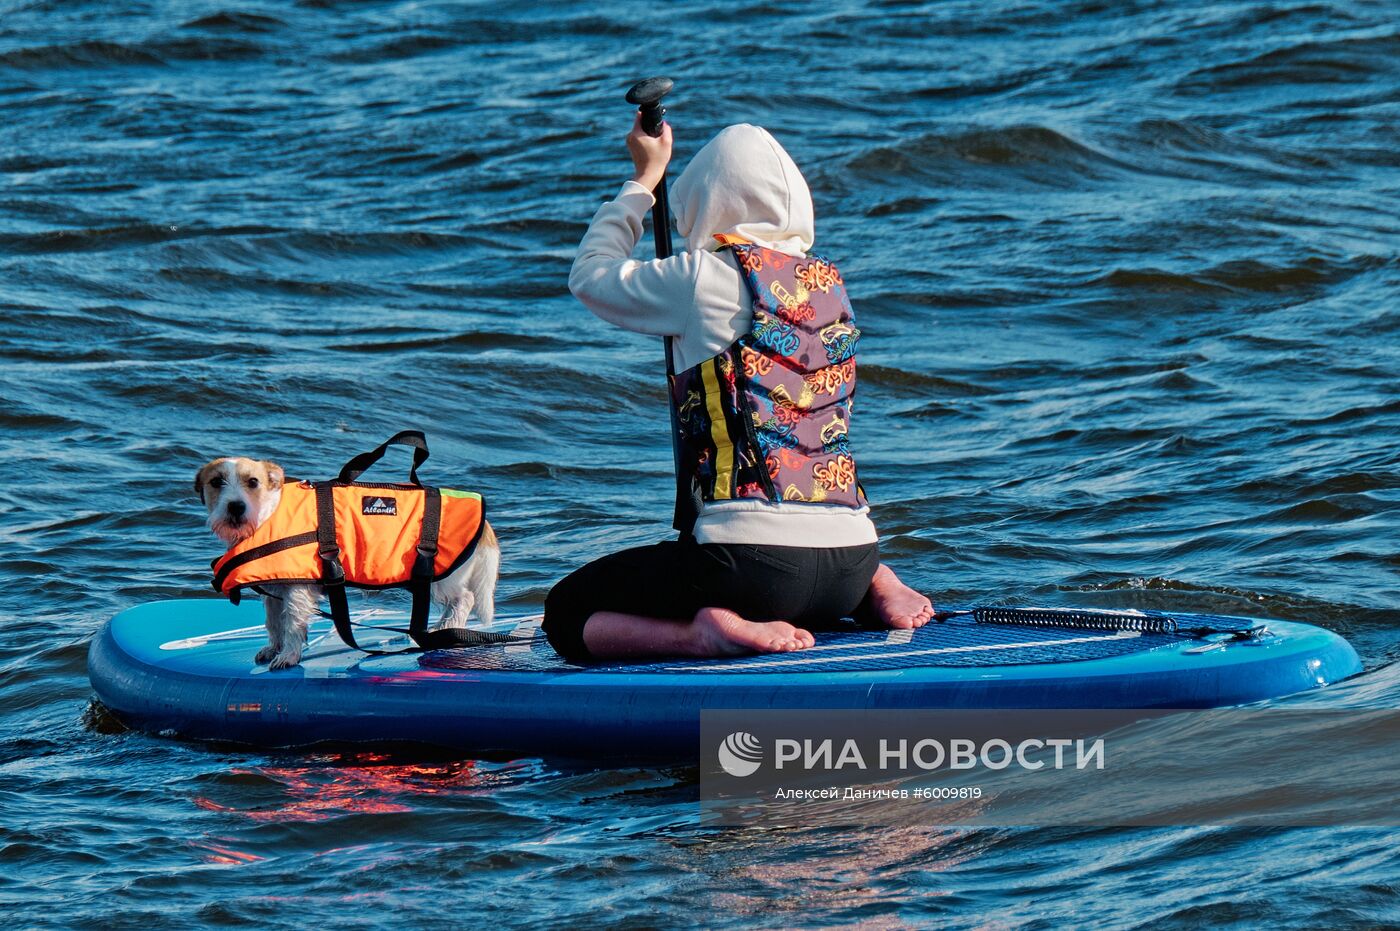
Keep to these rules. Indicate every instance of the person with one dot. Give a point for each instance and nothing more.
(767, 552)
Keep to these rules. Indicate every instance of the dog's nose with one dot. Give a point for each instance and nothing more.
(237, 509)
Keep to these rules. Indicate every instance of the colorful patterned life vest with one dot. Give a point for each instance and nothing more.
(371, 535)
(770, 417)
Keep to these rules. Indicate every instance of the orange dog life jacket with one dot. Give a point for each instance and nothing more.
(377, 530)
(362, 534)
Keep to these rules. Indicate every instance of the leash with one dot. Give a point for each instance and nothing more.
(1147, 622)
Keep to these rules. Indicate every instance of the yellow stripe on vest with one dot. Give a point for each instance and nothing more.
(719, 432)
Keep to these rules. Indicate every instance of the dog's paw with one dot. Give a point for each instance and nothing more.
(265, 655)
(285, 660)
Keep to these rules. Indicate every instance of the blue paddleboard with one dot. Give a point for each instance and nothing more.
(185, 668)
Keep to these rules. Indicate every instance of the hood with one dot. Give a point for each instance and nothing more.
(743, 182)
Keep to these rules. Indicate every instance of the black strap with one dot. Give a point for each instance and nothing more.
(258, 552)
(332, 571)
(421, 578)
(449, 638)
(687, 508)
(361, 463)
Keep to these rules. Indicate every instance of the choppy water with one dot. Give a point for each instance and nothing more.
(1129, 278)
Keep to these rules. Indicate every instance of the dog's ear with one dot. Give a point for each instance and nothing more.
(199, 482)
(275, 475)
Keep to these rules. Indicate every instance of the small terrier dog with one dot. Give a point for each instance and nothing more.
(243, 493)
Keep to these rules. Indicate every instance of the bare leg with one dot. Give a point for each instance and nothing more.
(712, 632)
(897, 604)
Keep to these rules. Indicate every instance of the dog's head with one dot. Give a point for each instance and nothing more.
(240, 494)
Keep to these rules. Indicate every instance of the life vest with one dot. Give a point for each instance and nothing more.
(378, 528)
(371, 535)
(770, 416)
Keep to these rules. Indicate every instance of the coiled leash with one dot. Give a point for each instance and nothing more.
(1147, 622)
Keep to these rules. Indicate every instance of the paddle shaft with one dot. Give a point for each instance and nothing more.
(647, 95)
(652, 118)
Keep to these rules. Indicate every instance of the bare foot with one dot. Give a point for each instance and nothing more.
(721, 632)
(898, 605)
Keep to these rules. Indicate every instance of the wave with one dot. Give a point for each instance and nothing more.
(477, 339)
(112, 237)
(1191, 148)
(1291, 486)
(979, 87)
(236, 21)
(1314, 511)
(25, 163)
(1338, 61)
(15, 418)
(1168, 593)
(535, 469)
(1156, 279)
(1310, 273)
(155, 53)
(216, 279)
(489, 32)
(1194, 136)
(902, 205)
(944, 296)
(89, 54)
(1118, 440)
(1035, 154)
(206, 48)
(368, 243)
(1245, 275)
(410, 46)
(1362, 412)
(919, 382)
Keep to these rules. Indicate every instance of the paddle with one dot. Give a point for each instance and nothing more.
(646, 96)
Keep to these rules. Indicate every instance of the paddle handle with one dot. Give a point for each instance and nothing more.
(647, 96)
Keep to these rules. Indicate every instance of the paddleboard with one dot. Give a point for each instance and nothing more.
(185, 667)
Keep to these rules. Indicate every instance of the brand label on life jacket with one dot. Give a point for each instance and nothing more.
(378, 504)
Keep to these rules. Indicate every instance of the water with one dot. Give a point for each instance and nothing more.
(1129, 279)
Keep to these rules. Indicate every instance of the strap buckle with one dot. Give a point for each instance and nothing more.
(424, 562)
(332, 572)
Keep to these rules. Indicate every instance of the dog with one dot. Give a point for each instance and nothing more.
(240, 494)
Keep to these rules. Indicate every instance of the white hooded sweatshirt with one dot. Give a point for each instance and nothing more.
(741, 182)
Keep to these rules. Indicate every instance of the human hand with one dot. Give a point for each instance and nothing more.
(650, 154)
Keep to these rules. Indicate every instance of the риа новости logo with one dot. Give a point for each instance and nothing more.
(740, 754)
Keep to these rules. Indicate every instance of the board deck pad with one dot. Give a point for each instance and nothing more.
(955, 642)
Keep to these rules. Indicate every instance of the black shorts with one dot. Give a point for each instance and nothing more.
(812, 588)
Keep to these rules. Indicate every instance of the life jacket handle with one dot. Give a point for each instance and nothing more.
(360, 464)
